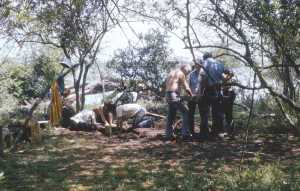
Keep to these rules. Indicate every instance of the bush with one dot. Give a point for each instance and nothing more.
(146, 65)
(27, 81)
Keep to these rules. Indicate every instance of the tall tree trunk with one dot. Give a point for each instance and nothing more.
(77, 84)
(103, 83)
(188, 23)
(1, 143)
(289, 89)
(87, 67)
(76, 89)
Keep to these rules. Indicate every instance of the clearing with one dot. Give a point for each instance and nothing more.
(75, 160)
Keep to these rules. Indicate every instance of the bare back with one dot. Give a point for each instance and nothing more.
(174, 79)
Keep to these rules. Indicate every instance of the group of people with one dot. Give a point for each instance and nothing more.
(104, 116)
(206, 87)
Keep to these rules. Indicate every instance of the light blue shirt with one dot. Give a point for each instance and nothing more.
(213, 71)
(195, 81)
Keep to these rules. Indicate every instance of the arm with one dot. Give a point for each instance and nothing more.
(103, 117)
(120, 123)
(227, 75)
(155, 115)
(185, 84)
(110, 117)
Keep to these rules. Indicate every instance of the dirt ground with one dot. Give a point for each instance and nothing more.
(76, 160)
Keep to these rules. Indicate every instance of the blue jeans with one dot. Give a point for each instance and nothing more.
(173, 106)
(213, 101)
(203, 114)
(227, 105)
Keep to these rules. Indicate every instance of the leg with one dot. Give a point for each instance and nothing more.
(192, 108)
(120, 123)
(110, 119)
(217, 116)
(228, 111)
(204, 111)
(185, 130)
(170, 119)
(146, 122)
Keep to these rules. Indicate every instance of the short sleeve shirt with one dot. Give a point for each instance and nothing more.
(195, 81)
(127, 111)
(85, 116)
(214, 71)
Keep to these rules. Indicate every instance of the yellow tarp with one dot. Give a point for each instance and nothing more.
(35, 131)
(56, 105)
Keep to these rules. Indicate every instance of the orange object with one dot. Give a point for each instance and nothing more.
(56, 105)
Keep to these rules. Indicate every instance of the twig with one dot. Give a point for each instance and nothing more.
(248, 123)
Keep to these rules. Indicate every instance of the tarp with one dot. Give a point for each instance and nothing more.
(56, 105)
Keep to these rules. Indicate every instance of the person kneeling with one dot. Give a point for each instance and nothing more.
(90, 119)
(135, 112)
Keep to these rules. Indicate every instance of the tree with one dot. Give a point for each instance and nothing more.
(76, 27)
(147, 63)
(264, 28)
(7, 101)
(29, 80)
(260, 35)
(4, 13)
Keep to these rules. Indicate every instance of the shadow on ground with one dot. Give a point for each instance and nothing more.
(67, 160)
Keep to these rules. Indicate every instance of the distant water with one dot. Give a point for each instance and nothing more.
(97, 99)
(243, 75)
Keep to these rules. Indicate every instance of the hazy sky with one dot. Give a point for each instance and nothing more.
(115, 39)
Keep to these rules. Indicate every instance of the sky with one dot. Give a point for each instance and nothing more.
(115, 39)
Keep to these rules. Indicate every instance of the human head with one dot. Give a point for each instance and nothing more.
(186, 68)
(109, 107)
(198, 64)
(207, 55)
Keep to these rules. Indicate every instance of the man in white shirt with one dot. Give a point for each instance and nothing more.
(130, 111)
(87, 119)
(138, 113)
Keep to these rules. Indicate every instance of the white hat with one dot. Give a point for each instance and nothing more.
(66, 62)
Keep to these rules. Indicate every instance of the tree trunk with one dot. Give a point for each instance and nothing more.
(289, 89)
(76, 89)
(188, 30)
(87, 67)
(103, 83)
(77, 98)
(77, 86)
(1, 143)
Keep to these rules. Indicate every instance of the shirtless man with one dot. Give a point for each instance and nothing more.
(175, 80)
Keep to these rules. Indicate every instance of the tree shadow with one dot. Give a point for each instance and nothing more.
(92, 161)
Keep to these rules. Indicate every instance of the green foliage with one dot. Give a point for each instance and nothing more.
(26, 81)
(146, 64)
(268, 177)
(7, 101)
